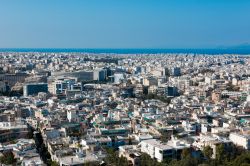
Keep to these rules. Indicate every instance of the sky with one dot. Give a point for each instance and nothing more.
(124, 23)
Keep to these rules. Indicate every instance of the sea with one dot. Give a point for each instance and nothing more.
(129, 51)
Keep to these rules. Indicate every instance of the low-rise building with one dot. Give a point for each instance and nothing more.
(239, 139)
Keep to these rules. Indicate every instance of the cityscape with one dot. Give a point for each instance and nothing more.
(74, 108)
(124, 83)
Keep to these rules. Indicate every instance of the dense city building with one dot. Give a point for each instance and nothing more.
(75, 107)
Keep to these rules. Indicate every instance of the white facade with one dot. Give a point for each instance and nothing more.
(118, 77)
(240, 140)
(71, 115)
(160, 151)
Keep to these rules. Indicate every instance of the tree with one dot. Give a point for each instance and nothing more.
(146, 160)
(157, 97)
(187, 161)
(93, 163)
(231, 87)
(208, 152)
(112, 105)
(113, 158)
(164, 137)
(242, 160)
(79, 145)
(220, 153)
(7, 158)
(53, 163)
(185, 153)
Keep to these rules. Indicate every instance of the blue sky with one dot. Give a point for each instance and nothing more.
(124, 23)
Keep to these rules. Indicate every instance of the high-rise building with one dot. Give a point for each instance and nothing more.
(176, 71)
(59, 85)
(100, 74)
(171, 91)
(34, 88)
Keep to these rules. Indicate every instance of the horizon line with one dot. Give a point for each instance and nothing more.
(140, 48)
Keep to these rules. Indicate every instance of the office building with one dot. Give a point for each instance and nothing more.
(34, 88)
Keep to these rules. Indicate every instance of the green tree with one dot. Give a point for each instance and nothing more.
(220, 153)
(53, 163)
(185, 153)
(113, 158)
(164, 137)
(7, 158)
(146, 160)
(187, 161)
(242, 160)
(208, 152)
(92, 164)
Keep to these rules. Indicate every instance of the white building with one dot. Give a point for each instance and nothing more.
(156, 149)
(240, 140)
(160, 151)
(118, 77)
(72, 115)
(211, 140)
(100, 74)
